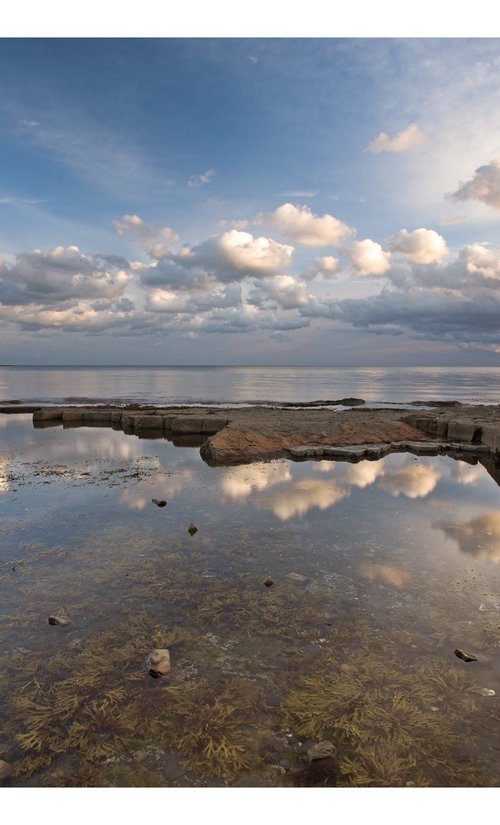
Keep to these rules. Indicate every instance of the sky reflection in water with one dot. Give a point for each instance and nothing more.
(404, 542)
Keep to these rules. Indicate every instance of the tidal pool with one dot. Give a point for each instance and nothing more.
(380, 569)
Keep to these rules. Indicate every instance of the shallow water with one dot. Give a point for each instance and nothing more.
(380, 569)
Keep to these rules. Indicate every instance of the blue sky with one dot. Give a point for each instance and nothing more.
(223, 200)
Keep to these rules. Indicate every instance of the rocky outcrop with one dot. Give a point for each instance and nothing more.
(245, 434)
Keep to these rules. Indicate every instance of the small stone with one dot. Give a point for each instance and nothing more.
(6, 769)
(348, 669)
(296, 577)
(487, 692)
(268, 582)
(467, 657)
(158, 662)
(62, 621)
(160, 502)
(321, 750)
(192, 529)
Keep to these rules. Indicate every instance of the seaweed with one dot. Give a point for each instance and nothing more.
(211, 727)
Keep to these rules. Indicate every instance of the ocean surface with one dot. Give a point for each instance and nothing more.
(243, 385)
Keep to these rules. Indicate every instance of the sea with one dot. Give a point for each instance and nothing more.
(246, 385)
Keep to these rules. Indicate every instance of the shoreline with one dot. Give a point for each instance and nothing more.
(311, 430)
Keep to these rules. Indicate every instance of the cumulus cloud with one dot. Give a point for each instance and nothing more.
(81, 317)
(368, 257)
(232, 256)
(300, 224)
(282, 291)
(193, 302)
(402, 142)
(457, 302)
(328, 266)
(200, 180)
(423, 246)
(152, 236)
(484, 186)
(62, 274)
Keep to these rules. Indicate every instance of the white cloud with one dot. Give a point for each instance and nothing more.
(281, 291)
(368, 257)
(423, 246)
(484, 186)
(152, 237)
(402, 142)
(328, 266)
(300, 224)
(241, 252)
(62, 274)
(230, 257)
(200, 180)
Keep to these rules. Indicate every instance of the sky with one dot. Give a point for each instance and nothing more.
(250, 200)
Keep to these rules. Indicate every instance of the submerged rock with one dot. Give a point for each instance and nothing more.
(6, 769)
(296, 577)
(321, 750)
(62, 621)
(268, 582)
(467, 657)
(160, 502)
(158, 662)
(192, 529)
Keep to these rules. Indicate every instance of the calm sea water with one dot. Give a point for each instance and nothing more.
(223, 385)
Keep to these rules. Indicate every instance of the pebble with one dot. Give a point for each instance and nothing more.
(62, 621)
(160, 502)
(192, 529)
(268, 582)
(158, 662)
(467, 657)
(487, 692)
(321, 750)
